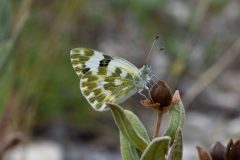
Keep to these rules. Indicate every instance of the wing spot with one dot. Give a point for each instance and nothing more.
(92, 99)
(107, 92)
(128, 76)
(88, 52)
(75, 61)
(95, 71)
(104, 62)
(117, 82)
(102, 70)
(77, 69)
(97, 91)
(107, 57)
(118, 71)
(100, 83)
(123, 74)
(91, 78)
(89, 85)
(101, 97)
(95, 103)
(109, 73)
(85, 70)
(91, 95)
(98, 105)
(86, 91)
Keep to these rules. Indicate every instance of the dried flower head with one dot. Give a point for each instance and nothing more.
(219, 152)
(160, 96)
(233, 150)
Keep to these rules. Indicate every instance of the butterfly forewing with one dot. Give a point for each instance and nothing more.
(84, 59)
(103, 78)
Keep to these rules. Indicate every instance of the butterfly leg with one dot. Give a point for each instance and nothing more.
(148, 93)
(142, 94)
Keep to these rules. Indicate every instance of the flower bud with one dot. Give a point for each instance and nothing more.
(219, 152)
(160, 96)
(233, 150)
(161, 93)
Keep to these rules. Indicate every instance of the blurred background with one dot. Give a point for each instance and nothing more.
(43, 114)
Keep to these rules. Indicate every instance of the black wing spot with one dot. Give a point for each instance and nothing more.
(85, 70)
(118, 71)
(107, 57)
(104, 62)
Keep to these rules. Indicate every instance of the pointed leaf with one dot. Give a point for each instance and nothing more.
(217, 151)
(176, 117)
(129, 152)
(177, 147)
(157, 149)
(126, 127)
(137, 124)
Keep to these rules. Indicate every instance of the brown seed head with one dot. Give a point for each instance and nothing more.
(161, 93)
(203, 154)
(233, 150)
(218, 151)
(160, 96)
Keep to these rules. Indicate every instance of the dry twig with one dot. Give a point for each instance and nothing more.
(212, 73)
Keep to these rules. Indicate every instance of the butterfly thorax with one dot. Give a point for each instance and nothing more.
(143, 78)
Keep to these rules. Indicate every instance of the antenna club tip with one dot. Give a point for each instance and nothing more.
(162, 48)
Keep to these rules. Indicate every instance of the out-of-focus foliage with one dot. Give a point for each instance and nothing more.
(38, 71)
(4, 17)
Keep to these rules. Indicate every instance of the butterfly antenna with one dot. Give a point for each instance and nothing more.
(151, 48)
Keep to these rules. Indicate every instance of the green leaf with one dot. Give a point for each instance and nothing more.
(129, 152)
(128, 127)
(157, 149)
(137, 124)
(176, 117)
(177, 147)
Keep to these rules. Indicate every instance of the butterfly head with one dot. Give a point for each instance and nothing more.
(145, 72)
(144, 77)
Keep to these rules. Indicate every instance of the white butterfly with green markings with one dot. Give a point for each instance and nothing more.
(107, 79)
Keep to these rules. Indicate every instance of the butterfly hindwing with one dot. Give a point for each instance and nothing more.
(101, 87)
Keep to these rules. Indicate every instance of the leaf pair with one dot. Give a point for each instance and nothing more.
(135, 143)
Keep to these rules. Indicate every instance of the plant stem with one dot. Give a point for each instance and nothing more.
(158, 124)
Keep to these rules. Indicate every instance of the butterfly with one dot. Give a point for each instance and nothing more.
(107, 79)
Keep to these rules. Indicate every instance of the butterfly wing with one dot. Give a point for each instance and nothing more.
(103, 78)
(84, 59)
